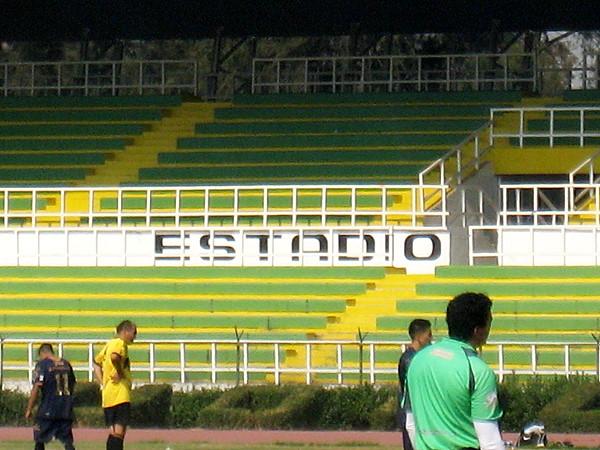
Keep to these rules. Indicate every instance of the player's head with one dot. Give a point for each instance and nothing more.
(45, 350)
(419, 331)
(127, 331)
(469, 317)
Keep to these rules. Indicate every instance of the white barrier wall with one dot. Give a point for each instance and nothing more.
(541, 245)
(418, 251)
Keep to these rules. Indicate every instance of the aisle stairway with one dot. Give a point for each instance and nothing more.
(358, 138)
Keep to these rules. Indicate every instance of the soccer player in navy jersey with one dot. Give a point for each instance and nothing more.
(54, 377)
(419, 331)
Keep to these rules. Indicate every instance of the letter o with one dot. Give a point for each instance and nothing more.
(436, 247)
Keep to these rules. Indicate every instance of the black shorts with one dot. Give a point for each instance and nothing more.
(118, 415)
(45, 430)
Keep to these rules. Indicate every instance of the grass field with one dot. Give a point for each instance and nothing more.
(191, 446)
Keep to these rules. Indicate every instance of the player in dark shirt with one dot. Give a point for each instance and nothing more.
(55, 379)
(419, 331)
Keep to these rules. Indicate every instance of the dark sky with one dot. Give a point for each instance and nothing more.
(195, 19)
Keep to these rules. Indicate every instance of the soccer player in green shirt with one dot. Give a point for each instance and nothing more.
(453, 393)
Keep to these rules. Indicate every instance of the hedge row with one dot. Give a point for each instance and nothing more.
(562, 405)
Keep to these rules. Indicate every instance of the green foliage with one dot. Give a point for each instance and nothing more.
(352, 407)
(385, 416)
(185, 406)
(89, 416)
(562, 405)
(577, 410)
(151, 405)
(523, 400)
(87, 394)
(280, 407)
(12, 407)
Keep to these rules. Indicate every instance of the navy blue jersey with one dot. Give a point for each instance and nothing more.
(57, 381)
(403, 364)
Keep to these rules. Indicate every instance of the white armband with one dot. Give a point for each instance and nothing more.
(410, 427)
(488, 434)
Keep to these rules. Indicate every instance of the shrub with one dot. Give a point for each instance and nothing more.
(275, 407)
(385, 416)
(523, 400)
(89, 416)
(577, 410)
(87, 394)
(185, 406)
(12, 407)
(151, 405)
(351, 407)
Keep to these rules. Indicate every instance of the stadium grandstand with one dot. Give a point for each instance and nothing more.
(290, 229)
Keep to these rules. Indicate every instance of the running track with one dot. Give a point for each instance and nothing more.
(383, 438)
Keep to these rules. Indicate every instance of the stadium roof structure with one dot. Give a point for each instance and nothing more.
(55, 20)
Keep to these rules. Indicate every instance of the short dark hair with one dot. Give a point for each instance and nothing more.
(418, 326)
(45, 348)
(465, 312)
(126, 325)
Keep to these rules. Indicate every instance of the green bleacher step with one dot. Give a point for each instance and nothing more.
(504, 96)
(511, 289)
(322, 141)
(352, 112)
(314, 172)
(347, 126)
(72, 130)
(63, 144)
(80, 115)
(107, 101)
(298, 156)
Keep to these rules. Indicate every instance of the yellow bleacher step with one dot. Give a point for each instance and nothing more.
(144, 149)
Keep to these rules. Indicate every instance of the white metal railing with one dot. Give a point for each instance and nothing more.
(135, 77)
(223, 206)
(394, 73)
(518, 128)
(549, 204)
(235, 361)
(586, 168)
(459, 162)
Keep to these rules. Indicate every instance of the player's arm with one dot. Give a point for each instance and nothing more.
(485, 409)
(98, 372)
(488, 435)
(411, 428)
(117, 362)
(32, 398)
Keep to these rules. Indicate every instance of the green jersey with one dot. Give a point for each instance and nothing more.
(450, 387)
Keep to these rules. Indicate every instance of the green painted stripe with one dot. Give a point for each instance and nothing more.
(72, 130)
(151, 273)
(396, 97)
(58, 116)
(352, 112)
(320, 141)
(292, 156)
(507, 289)
(348, 126)
(564, 125)
(63, 144)
(108, 101)
(537, 141)
(583, 95)
(288, 173)
(504, 323)
(175, 306)
(52, 159)
(41, 175)
(552, 272)
(203, 288)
